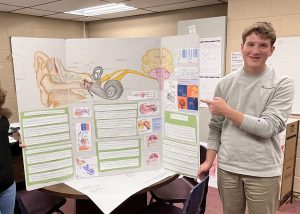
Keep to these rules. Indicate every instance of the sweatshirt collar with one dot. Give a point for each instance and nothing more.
(255, 76)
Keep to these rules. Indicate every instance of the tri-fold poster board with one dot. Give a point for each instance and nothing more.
(98, 107)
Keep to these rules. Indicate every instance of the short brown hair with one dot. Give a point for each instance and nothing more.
(4, 112)
(264, 29)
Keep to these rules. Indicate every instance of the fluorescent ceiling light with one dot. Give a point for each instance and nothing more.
(102, 9)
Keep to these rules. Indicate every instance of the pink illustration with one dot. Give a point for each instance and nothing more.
(149, 108)
(161, 75)
(153, 159)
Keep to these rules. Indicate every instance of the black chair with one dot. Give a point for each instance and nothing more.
(38, 202)
(178, 190)
(192, 204)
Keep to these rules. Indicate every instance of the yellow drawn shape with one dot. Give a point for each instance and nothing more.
(120, 74)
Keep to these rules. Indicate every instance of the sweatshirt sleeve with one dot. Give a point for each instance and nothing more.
(215, 127)
(276, 113)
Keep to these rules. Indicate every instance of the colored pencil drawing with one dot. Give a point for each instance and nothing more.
(57, 85)
(86, 166)
(148, 108)
(60, 86)
(158, 63)
(83, 137)
(152, 159)
(151, 141)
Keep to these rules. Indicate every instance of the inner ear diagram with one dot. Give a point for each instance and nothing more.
(60, 86)
(111, 89)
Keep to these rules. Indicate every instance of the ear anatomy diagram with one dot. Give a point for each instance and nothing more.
(109, 86)
(60, 86)
(111, 90)
(57, 85)
(158, 63)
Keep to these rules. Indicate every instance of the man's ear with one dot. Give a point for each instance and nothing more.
(242, 46)
(272, 50)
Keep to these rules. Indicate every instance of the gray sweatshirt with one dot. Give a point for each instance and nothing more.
(266, 102)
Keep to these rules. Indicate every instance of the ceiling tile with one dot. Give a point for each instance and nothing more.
(89, 19)
(33, 12)
(68, 5)
(48, 8)
(144, 4)
(124, 14)
(25, 3)
(6, 8)
(115, 1)
(63, 16)
(183, 5)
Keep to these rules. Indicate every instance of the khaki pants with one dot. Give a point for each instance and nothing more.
(259, 193)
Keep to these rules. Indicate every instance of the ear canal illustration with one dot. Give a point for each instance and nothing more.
(60, 85)
(111, 90)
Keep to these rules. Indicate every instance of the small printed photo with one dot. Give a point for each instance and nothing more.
(86, 167)
(182, 90)
(182, 103)
(151, 141)
(170, 93)
(192, 91)
(149, 108)
(82, 112)
(156, 124)
(83, 137)
(152, 159)
(144, 125)
(192, 103)
(170, 97)
(141, 95)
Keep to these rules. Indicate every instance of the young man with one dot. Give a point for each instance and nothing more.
(250, 108)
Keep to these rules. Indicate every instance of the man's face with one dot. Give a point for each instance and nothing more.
(256, 51)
